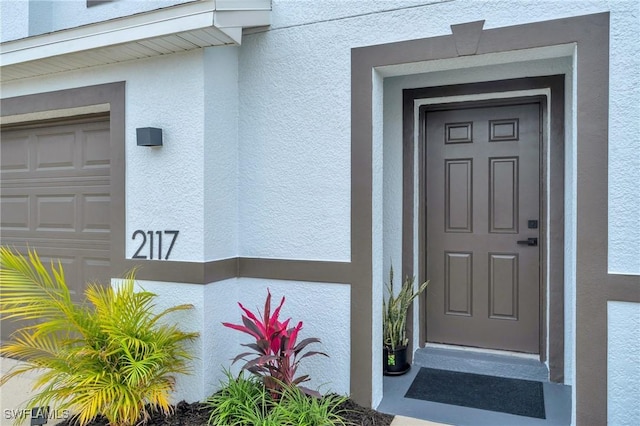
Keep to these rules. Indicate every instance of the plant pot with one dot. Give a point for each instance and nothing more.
(395, 362)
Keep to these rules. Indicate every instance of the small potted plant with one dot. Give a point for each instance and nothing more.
(394, 323)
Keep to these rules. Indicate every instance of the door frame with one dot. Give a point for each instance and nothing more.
(551, 198)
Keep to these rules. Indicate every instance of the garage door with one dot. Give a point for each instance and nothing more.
(55, 196)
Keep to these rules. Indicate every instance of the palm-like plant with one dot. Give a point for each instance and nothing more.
(110, 355)
(394, 312)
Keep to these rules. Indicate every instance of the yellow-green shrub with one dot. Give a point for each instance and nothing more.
(109, 355)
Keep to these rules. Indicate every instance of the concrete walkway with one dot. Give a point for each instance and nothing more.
(409, 421)
(14, 393)
(17, 391)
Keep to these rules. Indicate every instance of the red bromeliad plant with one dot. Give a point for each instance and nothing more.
(277, 351)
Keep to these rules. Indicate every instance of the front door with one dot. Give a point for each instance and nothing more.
(483, 220)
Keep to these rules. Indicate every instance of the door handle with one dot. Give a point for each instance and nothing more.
(529, 242)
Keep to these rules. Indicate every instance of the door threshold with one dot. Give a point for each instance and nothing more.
(535, 357)
(482, 361)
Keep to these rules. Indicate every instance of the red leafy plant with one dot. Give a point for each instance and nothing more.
(276, 351)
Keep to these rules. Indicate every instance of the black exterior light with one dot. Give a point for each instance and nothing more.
(149, 136)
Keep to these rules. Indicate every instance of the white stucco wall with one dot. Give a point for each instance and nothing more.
(165, 187)
(220, 152)
(295, 111)
(15, 19)
(623, 363)
(324, 310)
(188, 387)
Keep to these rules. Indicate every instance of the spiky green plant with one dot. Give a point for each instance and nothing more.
(110, 355)
(298, 408)
(394, 311)
(241, 401)
(246, 401)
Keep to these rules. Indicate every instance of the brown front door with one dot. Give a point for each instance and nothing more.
(483, 196)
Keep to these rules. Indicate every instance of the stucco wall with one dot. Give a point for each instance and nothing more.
(220, 153)
(623, 372)
(15, 19)
(164, 186)
(294, 126)
(324, 310)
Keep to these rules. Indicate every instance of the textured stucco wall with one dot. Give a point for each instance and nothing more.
(15, 19)
(294, 125)
(164, 186)
(220, 152)
(324, 310)
(623, 363)
(188, 387)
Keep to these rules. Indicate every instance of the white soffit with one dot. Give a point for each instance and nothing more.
(163, 31)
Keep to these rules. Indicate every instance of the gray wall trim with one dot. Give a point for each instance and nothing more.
(181, 272)
(590, 33)
(295, 270)
(240, 267)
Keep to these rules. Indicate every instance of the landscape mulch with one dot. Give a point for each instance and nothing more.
(197, 414)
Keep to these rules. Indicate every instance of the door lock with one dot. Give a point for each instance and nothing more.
(529, 242)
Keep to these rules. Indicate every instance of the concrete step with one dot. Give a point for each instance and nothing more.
(480, 362)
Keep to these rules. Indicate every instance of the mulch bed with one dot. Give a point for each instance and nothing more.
(197, 414)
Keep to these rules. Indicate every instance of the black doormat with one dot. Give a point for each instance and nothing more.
(513, 396)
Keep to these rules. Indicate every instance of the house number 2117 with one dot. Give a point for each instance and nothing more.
(148, 237)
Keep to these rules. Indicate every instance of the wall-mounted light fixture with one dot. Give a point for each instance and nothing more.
(149, 136)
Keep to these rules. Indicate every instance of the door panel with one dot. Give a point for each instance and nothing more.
(483, 185)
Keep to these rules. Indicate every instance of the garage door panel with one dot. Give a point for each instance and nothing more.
(95, 269)
(15, 155)
(15, 212)
(56, 212)
(56, 243)
(96, 213)
(95, 149)
(55, 151)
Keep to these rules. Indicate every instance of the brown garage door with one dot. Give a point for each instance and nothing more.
(55, 198)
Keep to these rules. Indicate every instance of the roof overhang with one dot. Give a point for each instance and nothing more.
(173, 29)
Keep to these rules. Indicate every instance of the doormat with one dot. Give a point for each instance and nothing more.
(513, 396)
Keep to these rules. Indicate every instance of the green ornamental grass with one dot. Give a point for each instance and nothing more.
(110, 355)
(245, 401)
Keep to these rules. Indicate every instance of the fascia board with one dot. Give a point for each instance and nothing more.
(242, 18)
(243, 4)
(107, 37)
(157, 23)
